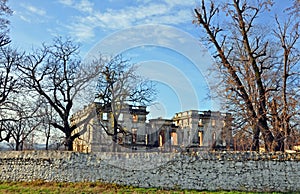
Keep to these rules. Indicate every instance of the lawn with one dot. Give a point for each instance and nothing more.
(85, 187)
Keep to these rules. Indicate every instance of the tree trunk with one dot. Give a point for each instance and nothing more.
(70, 145)
(115, 137)
(48, 137)
(285, 123)
(47, 143)
(280, 144)
(255, 140)
(267, 134)
(69, 141)
(17, 146)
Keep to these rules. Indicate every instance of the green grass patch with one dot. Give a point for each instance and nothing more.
(38, 187)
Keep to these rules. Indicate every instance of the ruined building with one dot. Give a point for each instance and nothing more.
(98, 130)
(186, 130)
(207, 129)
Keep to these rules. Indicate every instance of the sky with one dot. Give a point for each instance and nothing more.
(89, 21)
(157, 35)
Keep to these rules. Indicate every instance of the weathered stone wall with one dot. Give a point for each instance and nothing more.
(202, 171)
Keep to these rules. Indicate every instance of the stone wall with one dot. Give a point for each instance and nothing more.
(248, 171)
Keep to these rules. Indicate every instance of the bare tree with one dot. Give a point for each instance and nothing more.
(5, 11)
(118, 86)
(8, 79)
(23, 119)
(56, 73)
(9, 84)
(8, 60)
(248, 63)
(294, 9)
(47, 115)
(285, 99)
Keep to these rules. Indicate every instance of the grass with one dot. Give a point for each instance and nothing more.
(86, 187)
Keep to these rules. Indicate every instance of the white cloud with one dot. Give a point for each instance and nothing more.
(82, 6)
(180, 16)
(35, 10)
(24, 18)
(118, 19)
(146, 12)
(66, 2)
(174, 3)
(31, 14)
(85, 6)
(82, 32)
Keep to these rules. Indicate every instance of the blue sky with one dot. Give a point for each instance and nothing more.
(157, 35)
(89, 21)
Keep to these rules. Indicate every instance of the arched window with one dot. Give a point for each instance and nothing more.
(200, 135)
(134, 135)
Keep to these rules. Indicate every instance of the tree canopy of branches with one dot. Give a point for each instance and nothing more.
(9, 84)
(56, 73)
(258, 66)
(119, 85)
(9, 58)
(4, 22)
(24, 120)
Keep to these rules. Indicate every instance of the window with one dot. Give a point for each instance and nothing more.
(121, 117)
(161, 138)
(174, 138)
(134, 135)
(161, 143)
(200, 135)
(134, 118)
(200, 123)
(104, 116)
(214, 136)
(146, 139)
(120, 140)
(213, 122)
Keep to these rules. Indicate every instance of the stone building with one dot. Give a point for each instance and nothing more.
(188, 129)
(204, 129)
(163, 133)
(98, 129)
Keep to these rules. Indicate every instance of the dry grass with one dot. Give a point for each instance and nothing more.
(63, 187)
(83, 187)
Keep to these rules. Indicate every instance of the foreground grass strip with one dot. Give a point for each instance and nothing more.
(86, 187)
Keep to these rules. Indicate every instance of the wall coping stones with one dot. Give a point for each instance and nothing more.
(202, 155)
(241, 171)
(246, 156)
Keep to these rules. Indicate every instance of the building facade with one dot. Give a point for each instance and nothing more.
(96, 122)
(186, 130)
(204, 129)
